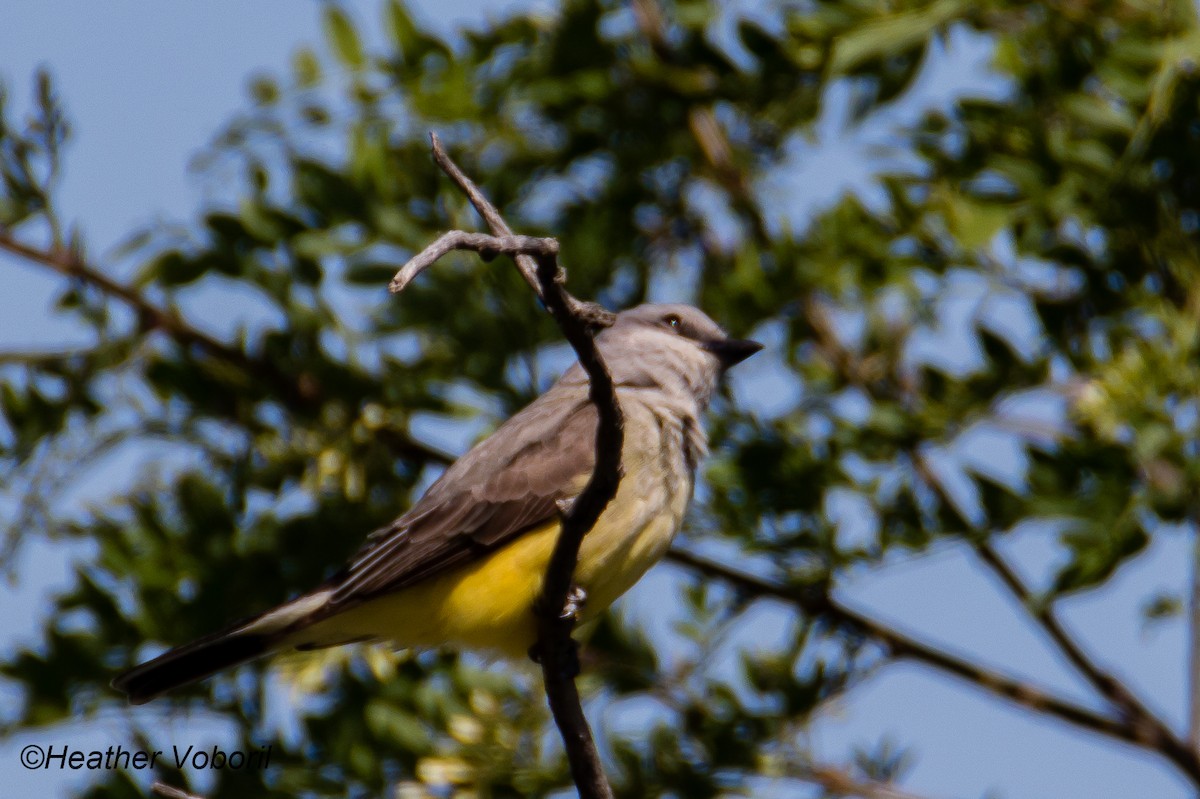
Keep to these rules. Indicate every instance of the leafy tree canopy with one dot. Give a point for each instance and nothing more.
(1003, 332)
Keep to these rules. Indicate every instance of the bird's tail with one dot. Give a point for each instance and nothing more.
(239, 643)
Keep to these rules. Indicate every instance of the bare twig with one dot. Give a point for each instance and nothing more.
(594, 314)
(35, 358)
(819, 604)
(495, 222)
(69, 263)
(487, 246)
(171, 792)
(537, 261)
(1106, 684)
(1143, 726)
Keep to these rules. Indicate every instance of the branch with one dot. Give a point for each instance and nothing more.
(298, 392)
(1108, 686)
(595, 314)
(171, 792)
(525, 263)
(1148, 727)
(536, 259)
(556, 648)
(69, 263)
(819, 604)
(487, 246)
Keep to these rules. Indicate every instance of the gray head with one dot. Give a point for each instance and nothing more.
(676, 348)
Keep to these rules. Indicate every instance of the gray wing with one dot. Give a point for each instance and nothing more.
(507, 484)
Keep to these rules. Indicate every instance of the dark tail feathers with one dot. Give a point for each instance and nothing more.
(191, 662)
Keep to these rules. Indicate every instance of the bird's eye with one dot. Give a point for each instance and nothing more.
(672, 321)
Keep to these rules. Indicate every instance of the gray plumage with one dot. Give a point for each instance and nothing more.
(665, 361)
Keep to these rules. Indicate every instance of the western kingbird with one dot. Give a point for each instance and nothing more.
(464, 566)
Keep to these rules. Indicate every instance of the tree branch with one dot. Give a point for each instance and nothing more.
(818, 604)
(69, 263)
(596, 315)
(1140, 725)
(495, 222)
(1107, 685)
(487, 246)
(536, 259)
(299, 392)
(556, 648)
(1148, 727)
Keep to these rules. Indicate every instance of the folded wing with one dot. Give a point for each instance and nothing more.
(508, 484)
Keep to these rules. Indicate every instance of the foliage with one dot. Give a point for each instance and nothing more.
(1004, 332)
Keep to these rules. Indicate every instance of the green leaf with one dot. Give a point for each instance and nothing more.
(173, 268)
(891, 35)
(343, 38)
(404, 33)
(306, 68)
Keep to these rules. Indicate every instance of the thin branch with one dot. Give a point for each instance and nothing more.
(1141, 723)
(301, 391)
(594, 314)
(69, 263)
(35, 358)
(487, 246)
(1107, 685)
(1140, 718)
(819, 604)
(171, 792)
(556, 648)
(495, 222)
(1146, 728)
(537, 261)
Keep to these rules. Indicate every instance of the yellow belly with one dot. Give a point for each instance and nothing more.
(488, 605)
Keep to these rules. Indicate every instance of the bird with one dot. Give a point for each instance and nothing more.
(464, 566)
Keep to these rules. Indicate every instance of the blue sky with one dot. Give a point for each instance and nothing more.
(148, 85)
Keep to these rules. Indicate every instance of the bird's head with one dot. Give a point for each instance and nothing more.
(672, 346)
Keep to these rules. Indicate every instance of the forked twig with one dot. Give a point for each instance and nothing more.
(596, 316)
(487, 246)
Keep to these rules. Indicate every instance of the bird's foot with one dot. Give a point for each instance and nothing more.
(573, 607)
(565, 653)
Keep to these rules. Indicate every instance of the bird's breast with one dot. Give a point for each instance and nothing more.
(637, 527)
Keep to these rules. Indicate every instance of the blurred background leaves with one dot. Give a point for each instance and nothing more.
(999, 329)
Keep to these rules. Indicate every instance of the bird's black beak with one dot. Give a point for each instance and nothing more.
(731, 351)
